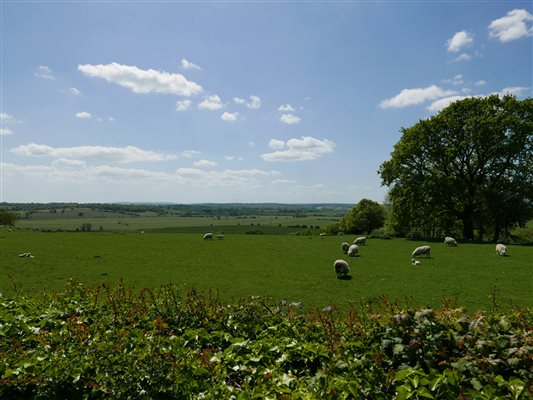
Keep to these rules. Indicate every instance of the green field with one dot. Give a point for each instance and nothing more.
(285, 267)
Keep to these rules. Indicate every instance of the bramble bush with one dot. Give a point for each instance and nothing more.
(112, 342)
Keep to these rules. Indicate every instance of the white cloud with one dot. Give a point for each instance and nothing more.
(459, 41)
(68, 163)
(290, 119)
(189, 65)
(409, 97)
(226, 178)
(83, 115)
(5, 132)
(462, 57)
(286, 108)
(189, 153)
(514, 91)
(254, 103)
(456, 80)
(232, 158)
(480, 83)
(183, 105)
(281, 181)
(276, 144)
(74, 91)
(239, 100)
(44, 72)
(142, 81)
(128, 154)
(513, 26)
(212, 102)
(304, 149)
(6, 118)
(443, 103)
(230, 117)
(205, 164)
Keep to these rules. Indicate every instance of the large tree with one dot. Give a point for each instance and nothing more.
(364, 217)
(471, 163)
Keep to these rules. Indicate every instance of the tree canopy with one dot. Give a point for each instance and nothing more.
(467, 168)
(7, 218)
(364, 217)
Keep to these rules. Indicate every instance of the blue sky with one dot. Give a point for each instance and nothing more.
(290, 102)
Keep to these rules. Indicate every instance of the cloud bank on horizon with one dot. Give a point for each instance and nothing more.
(101, 115)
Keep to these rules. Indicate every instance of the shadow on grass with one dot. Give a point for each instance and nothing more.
(345, 277)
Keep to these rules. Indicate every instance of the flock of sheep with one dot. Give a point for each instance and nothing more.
(342, 268)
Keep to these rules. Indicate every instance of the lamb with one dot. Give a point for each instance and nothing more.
(341, 268)
(208, 235)
(360, 240)
(221, 236)
(353, 250)
(421, 250)
(345, 246)
(451, 242)
(501, 249)
(415, 261)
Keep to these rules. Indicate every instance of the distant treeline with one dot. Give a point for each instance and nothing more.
(188, 210)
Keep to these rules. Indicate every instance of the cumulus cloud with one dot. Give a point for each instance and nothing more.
(456, 80)
(514, 25)
(5, 132)
(276, 144)
(205, 164)
(463, 57)
(83, 115)
(189, 153)
(254, 103)
(44, 72)
(290, 119)
(128, 154)
(514, 91)
(142, 81)
(239, 100)
(6, 118)
(286, 108)
(409, 97)
(443, 103)
(304, 149)
(459, 41)
(230, 117)
(212, 102)
(189, 65)
(183, 105)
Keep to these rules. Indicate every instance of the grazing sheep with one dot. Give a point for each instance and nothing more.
(345, 246)
(322, 233)
(208, 236)
(341, 268)
(451, 242)
(501, 249)
(421, 250)
(221, 236)
(353, 250)
(360, 240)
(415, 261)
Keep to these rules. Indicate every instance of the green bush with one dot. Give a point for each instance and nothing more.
(117, 343)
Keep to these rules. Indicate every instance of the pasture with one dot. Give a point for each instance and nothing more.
(284, 267)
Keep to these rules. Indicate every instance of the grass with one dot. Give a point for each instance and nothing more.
(285, 267)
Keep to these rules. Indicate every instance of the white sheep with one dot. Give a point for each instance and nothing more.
(353, 250)
(221, 236)
(451, 242)
(360, 240)
(345, 246)
(341, 268)
(422, 250)
(208, 235)
(322, 233)
(501, 249)
(415, 261)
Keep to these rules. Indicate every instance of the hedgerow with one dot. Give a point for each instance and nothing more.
(112, 342)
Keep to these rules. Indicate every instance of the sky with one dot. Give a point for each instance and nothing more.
(234, 101)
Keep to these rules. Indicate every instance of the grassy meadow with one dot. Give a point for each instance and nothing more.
(284, 267)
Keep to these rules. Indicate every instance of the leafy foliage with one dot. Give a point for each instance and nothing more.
(116, 343)
(364, 217)
(468, 166)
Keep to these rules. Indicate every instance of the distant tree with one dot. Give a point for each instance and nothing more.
(470, 163)
(364, 217)
(7, 218)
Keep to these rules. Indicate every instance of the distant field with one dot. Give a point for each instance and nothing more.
(286, 267)
(129, 223)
